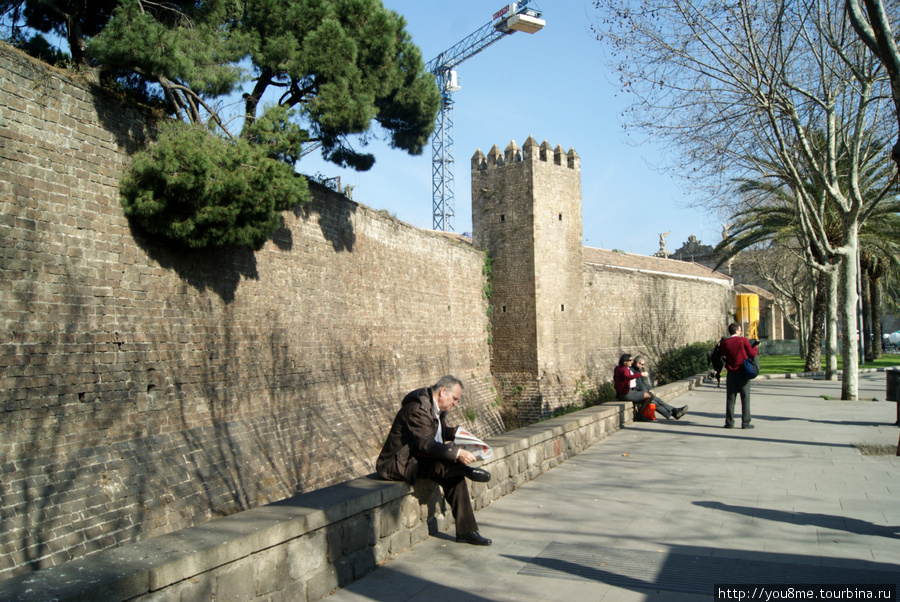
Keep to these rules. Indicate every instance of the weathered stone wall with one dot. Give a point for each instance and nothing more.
(526, 211)
(562, 313)
(145, 389)
(648, 311)
(305, 547)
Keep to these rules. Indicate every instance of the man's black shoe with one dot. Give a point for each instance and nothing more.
(729, 426)
(475, 538)
(680, 412)
(479, 475)
(748, 426)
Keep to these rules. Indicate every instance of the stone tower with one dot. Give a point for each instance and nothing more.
(526, 213)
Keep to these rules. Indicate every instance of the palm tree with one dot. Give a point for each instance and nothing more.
(772, 221)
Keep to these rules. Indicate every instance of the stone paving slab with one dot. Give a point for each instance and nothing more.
(794, 493)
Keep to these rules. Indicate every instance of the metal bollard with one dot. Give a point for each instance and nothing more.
(892, 389)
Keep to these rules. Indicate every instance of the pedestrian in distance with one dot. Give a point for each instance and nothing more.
(717, 363)
(735, 349)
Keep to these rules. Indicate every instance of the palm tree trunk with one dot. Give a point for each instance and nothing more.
(878, 270)
(817, 328)
(864, 267)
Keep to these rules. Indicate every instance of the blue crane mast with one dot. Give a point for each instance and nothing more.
(509, 19)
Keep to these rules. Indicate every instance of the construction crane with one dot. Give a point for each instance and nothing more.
(509, 19)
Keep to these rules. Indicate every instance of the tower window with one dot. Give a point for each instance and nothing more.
(560, 217)
(562, 308)
(503, 309)
(502, 218)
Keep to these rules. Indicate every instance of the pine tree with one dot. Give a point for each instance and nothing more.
(320, 71)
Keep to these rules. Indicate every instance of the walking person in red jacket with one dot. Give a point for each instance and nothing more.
(735, 349)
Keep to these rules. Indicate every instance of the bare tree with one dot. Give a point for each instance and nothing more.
(745, 89)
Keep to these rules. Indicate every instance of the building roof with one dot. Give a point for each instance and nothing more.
(650, 264)
(754, 290)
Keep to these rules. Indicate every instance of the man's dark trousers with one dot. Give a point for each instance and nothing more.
(451, 478)
(737, 383)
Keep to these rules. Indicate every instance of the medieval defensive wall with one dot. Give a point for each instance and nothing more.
(144, 390)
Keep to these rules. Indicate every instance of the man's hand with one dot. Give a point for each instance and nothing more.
(466, 457)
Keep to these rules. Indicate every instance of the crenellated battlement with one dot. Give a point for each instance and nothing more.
(531, 151)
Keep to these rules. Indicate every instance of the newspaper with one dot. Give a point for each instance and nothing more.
(470, 442)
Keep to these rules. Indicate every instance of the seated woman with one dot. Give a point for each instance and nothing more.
(623, 377)
(640, 392)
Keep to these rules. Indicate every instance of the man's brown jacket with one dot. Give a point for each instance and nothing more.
(412, 435)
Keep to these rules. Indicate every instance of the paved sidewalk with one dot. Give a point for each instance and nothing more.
(664, 511)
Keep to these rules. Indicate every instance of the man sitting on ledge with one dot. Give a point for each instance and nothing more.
(420, 444)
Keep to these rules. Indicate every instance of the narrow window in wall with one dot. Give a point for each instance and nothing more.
(560, 217)
(502, 218)
(503, 309)
(562, 308)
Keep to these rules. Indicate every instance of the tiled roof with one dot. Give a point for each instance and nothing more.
(754, 290)
(647, 263)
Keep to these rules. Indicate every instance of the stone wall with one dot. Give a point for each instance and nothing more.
(649, 305)
(562, 313)
(305, 547)
(144, 389)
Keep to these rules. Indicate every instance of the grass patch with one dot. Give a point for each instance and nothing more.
(791, 364)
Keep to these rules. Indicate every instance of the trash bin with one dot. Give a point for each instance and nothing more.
(892, 389)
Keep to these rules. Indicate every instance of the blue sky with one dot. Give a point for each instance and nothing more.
(552, 85)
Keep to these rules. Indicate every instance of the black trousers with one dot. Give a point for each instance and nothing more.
(451, 477)
(737, 383)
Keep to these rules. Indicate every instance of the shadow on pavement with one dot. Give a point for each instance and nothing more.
(697, 570)
(827, 521)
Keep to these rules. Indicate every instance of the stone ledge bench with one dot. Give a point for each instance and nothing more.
(306, 546)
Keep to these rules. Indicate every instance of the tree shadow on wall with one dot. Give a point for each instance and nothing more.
(334, 213)
(45, 474)
(133, 125)
(657, 320)
(219, 270)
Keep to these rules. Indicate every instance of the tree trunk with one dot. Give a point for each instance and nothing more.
(817, 330)
(875, 300)
(803, 321)
(864, 267)
(75, 38)
(850, 346)
(832, 326)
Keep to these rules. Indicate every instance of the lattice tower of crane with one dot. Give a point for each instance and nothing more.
(514, 17)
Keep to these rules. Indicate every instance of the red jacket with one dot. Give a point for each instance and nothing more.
(735, 349)
(622, 377)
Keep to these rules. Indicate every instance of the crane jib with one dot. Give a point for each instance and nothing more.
(509, 19)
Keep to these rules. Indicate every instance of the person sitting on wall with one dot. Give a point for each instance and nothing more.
(420, 444)
(633, 385)
(642, 383)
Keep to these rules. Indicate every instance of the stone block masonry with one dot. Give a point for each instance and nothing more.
(562, 313)
(526, 213)
(305, 547)
(144, 389)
